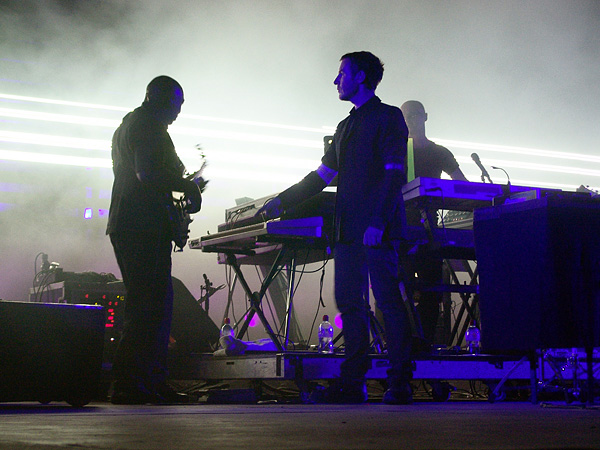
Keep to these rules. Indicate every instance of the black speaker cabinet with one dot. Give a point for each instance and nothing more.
(539, 271)
(50, 352)
(191, 327)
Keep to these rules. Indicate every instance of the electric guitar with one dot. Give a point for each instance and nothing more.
(179, 217)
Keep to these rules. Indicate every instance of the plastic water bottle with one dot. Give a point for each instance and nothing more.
(473, 339)
(227, 329)
(325, 336)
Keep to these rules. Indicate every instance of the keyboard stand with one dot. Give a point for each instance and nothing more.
(257, 296)
(440, 244)
(287, 256)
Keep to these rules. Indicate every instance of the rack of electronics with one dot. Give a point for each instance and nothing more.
(54, 285)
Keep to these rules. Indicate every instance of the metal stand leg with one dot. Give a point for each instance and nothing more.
(256, 298)
(460, 327)
(532, 376)
(291, 269)
(496, 392)
(229, 298)
(413, 317)
(377, 333)
(589, 351)
(376, 330)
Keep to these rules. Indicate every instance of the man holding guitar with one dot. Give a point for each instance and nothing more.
(147, 170)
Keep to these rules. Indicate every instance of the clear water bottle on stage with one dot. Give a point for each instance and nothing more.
(325, 336)
(227, 329)
(473, 339)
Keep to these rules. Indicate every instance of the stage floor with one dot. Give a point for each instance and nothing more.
(451, 425)
(256, 401)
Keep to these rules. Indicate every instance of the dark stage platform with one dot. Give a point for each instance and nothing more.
(313, 366)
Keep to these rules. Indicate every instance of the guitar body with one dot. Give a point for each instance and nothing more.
(179, 218)
(180, 221)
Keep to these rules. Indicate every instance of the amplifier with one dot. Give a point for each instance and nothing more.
(538, 268)
(111, 296)
(50, 352)
(56, 274)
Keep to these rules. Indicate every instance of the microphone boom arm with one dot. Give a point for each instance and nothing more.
(505, 172)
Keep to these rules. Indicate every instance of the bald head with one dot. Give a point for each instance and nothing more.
(415, 117)
(164, 96)
(412, 107)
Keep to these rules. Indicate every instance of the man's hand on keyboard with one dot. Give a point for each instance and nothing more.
(271, 209)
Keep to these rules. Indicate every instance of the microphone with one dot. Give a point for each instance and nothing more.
(484, 172)
(505, 172)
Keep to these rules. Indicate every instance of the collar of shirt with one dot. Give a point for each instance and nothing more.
(154, 114)
(371, 103)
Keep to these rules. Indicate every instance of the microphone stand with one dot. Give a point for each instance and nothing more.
(505, 172)
(506, 187)
(209, 290)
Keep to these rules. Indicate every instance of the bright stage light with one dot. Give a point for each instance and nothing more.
(245, 137)
(279, 162)
(505, 164)
(253, 158)
(253, 322)
(254, 175)
(337, 321)
(322, 130)
(54, 141)
(61, 118)
(518, 150)
(43, 158)
(295, 164)
(175, 129)
(23, 98)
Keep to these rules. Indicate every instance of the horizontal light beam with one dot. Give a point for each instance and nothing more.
(58, 118)
(519, 150)
(253, 137)
(505, 164)
(324, 129)
(237, 157)
(54, 141)
(54, 159)
(23, 98)
(175, 130)
(228, 174)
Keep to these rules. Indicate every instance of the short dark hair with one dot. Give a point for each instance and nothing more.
(160, 90)
(370, 64)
